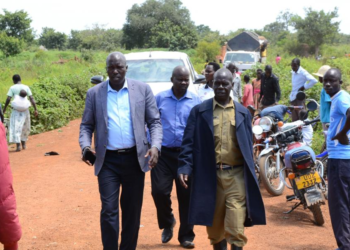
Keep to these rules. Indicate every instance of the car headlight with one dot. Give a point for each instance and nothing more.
(266, 123)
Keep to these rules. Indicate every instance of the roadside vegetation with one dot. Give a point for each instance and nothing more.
(58, 66)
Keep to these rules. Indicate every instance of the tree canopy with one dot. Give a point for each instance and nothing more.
(141, 19)
(52, 39)
(317, 28)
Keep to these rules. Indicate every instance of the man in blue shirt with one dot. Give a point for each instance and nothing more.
(301, 80)
(277, 112)
(116, 112)
(174, 106)
(338, 165)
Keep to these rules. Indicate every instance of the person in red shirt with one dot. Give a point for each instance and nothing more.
(10, 229)
(278, 58)
(247, 98)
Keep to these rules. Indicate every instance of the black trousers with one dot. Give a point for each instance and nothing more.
(162, 177)
(339, 200)
(120, 170)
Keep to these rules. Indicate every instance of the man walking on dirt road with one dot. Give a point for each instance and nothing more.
(217, 151)
(116, 111)
(174, 106)
(338, 165)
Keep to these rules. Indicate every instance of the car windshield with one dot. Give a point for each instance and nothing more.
(152, 70)
(240, 57)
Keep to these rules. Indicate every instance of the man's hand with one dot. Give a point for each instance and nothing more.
(84, 160)
(342, 138)
(153, 153)
(301, 89)
(183, 179)
(36, 113)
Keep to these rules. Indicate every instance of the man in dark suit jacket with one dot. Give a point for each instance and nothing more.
(116, 112)
(217, 150)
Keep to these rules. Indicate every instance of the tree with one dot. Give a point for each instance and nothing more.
(10, 46)
(52, 39)
(17, 24)
(167, 35)
(316, 28)
(142, 18)
(208, 51)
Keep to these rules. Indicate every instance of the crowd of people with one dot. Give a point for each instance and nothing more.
(201, 142)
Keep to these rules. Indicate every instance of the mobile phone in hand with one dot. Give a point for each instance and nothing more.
(88, 155)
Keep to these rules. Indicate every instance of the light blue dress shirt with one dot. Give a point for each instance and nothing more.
(301, 78)
(120, 128)
(174, 114)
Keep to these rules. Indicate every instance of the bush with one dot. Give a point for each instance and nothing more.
(59, 100)
(10, 46)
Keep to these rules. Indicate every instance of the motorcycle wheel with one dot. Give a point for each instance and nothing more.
(317, 212)
(266, 163)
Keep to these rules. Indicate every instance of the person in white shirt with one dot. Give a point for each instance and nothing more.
(237, 85)
(206, 91)
(20, 102)
(301, 80)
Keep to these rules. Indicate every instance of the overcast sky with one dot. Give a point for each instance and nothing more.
(222, 15)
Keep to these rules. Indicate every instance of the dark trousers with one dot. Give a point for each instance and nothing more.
(296, 113)
(339, 200)
(162, 177)
(120, 170)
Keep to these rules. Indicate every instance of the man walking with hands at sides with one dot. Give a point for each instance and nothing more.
(217, 151)
(338, 158)
(301, 80)
(270, 92)
(174, 106)
(116, 111)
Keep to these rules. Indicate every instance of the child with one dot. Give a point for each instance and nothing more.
(247, 98)
(20, 102)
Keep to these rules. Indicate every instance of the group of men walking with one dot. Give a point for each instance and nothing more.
(203, 146)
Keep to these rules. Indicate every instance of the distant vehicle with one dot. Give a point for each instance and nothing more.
(244, 50)
(156, 67)
(242, 59)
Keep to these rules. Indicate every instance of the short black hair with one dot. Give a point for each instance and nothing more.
(215, 65)
(268, 67)
(259, 70)
(16, 78)
(297, 61)
(246, 77)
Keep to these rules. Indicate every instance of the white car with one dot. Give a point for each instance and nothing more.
(242, 59)
(155, 68)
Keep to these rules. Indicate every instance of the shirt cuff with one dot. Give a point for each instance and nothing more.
(154, 146)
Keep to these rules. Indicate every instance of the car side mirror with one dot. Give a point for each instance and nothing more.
(199, 79)
(96, 79)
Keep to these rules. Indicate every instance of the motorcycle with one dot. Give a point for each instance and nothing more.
(304, 171)
(267, 165)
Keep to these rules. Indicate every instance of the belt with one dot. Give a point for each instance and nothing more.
(226, 167)
(178, 149)
(123, 151)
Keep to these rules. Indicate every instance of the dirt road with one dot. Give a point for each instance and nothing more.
(58, 204)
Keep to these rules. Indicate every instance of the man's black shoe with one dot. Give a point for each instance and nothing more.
(233, 247)
(187, 244)
(222, 245)
(167, 234)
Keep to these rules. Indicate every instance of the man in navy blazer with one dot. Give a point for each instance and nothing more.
(217, 151)
(116, 112)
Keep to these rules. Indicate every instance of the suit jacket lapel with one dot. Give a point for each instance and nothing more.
(103, 100)
(239, 114)
(132, 98)
(206, 110)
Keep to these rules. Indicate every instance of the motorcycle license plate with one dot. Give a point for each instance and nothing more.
(307, 180)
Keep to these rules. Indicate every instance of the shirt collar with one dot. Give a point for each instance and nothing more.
(170, 93)
(299, 70)
(109, 88)
(336, 94)
(229, 105)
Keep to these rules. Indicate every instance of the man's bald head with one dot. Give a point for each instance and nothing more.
(334, 72)
(116, 56)
(179, 70)
(224, 74)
